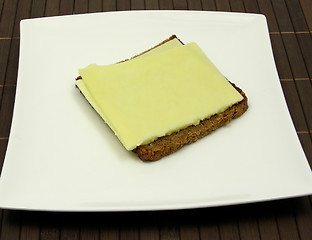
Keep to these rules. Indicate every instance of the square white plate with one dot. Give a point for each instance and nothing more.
(62, 157)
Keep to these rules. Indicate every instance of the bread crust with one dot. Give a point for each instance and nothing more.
(169, 144)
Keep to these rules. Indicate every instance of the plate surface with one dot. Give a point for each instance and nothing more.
(62, 157)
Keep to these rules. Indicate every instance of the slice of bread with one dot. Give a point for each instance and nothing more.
(168, 144)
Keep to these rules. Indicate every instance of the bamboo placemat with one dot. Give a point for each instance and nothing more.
(290, 26)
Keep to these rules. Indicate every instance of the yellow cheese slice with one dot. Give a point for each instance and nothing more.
(161, 48)
(155, 95)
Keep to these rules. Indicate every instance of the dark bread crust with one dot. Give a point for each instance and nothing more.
(168, 144)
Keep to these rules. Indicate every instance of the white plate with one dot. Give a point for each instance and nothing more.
(62, 157)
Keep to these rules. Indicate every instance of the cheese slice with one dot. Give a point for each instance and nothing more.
(160, 93)
(161, 48)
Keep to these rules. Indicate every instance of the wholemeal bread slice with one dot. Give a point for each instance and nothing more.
(168, 144)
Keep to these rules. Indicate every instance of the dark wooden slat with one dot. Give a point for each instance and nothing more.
(209, 230)
(1, 6)
(306, 6)
(89, 232)
(303, 213)
(5, 45)
(282, 16)
(81, 6)
(109, 5)
(70, 234)
(181, 224)
(30, 229)
(109, 226)
(295, 58)
(23, 12)
(1, 91)
(227, 219)
(297, 16)
(180, 4)
(223, 5)
(189, 231)
(69, 226)
(194, 5)
(89, 226)
(280, 56)
(237, 6)
(267, 222)
(10, 48)
(294, 105)
(151, 4)
(37, 8)
(49, 233)
(66, 7)
(149, 232)
(137, 5)
(165, 4)
(10, 227)
(123, 5)
(129, 232)
(229, 229)
(304, 89)
(268, 229)
(247, 222)
(49, 225)
(3, 147)
(286, 221)
(266, 8)
(12, 66)
(52, 8)
(209, 5)
(6, 110)
(208, 223)
(109, 232)
(251, 6)
(1, 216)
(95, 6)
(7, 18)
(249, 229)
(299, 71)
(169, 231)
(305, 43)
